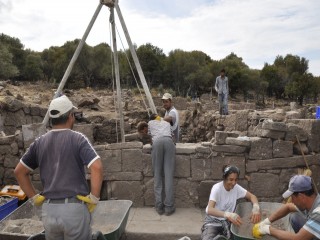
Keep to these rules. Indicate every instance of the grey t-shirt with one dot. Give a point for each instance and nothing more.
(61, 156)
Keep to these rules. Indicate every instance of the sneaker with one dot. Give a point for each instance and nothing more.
(169, 211)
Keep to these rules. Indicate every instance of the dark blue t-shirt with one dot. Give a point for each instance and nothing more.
(61, 156)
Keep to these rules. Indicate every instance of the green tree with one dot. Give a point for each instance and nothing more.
(152, 61)
(33, 67)
(7, 68)
(15, 47)
(235, 70)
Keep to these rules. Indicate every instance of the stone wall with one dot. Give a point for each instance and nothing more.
(266, 146)
(128, 168)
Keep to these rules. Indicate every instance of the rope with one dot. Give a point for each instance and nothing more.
(134, 76)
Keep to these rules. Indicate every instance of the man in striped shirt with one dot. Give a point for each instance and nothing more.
(304, 209)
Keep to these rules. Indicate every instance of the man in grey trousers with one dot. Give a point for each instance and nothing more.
(222, 88)
(163, 162)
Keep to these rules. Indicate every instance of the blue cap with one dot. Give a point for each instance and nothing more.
(298, 183)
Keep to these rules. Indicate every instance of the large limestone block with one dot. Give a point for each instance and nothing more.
(295, 131)
(186, 194)
(186, 148)
(129, 190)
(7, 140)
(85, 129)
(242, 120)
(11, 161)
(282, 149)
(111, 160)
(300, 149)
(229, 148)
(281, 163)
(124, 176)
(148, 195)
(125, 145)
(31, 132)
(147, 165)
(312, 127)
(219, 162)
(220, 137)
(264, 184)
(201, 169)
(131, 160)
(240, 141)
(277, 126)
(183, 166)
(16, 119)
(204, 192)
(261, 148)
(266, 133)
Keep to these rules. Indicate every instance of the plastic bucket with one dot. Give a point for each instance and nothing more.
(318, 112)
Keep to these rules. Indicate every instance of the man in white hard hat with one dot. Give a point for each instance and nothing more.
(61, 155)
(171, 115)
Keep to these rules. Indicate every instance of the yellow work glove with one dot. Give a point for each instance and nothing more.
(37, 200)
(261, 229)
(158, 118)
(90, 200)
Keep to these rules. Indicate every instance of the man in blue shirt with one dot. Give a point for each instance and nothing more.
(61, 155)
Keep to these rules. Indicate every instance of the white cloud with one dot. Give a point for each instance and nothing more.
(257, 31)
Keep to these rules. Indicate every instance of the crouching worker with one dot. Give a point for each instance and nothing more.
(222, 202)
(61, 155)
(304, 213)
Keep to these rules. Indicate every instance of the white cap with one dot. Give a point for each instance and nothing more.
(60, 106)
(166, 96)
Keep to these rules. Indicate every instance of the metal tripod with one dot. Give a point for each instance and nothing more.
(112, 4)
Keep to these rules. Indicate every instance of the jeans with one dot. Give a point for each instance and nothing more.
(223, 103)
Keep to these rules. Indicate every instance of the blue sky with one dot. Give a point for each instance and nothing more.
(257, 31)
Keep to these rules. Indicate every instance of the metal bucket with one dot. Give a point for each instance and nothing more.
(244, 232)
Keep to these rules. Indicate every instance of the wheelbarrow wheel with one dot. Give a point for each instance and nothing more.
(98, 236)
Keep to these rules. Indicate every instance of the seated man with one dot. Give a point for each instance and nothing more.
(304, 213)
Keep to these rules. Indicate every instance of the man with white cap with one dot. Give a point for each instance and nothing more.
(61, 155)
(171, 115)
(304, 209)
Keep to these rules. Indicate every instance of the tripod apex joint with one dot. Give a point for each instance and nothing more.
(108, 3)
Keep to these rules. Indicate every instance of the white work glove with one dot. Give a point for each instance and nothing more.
(255, 216)
(255, 208)
(230, 215)
(261, 228)
(266, 222)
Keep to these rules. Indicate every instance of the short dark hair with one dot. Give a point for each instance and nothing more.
(142, 125)
(62, 119)
(228, 169)
(222, 70)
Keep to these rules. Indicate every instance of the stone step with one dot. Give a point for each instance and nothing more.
(146, 224)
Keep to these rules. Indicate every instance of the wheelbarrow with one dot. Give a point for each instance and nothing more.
(244, 232)
(110, 218)
(41, 236)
